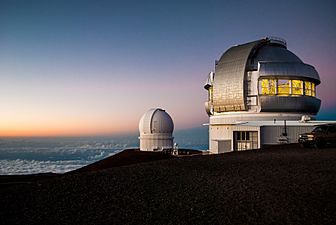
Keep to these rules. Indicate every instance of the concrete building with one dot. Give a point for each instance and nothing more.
(156, 129)
(260, 93)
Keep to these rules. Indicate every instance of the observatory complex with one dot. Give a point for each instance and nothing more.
(156, 131)
(260, 93)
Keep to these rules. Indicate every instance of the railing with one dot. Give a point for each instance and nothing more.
(277, 40)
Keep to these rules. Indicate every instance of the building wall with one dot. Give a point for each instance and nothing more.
(221, 137)
(233, 117)
(156, 142)
(270, 135)
(223, 146)
(224, 133)
(252, 91)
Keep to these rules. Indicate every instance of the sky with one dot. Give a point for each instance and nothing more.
(94, 67)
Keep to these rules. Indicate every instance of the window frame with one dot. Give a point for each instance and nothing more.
(307, 88)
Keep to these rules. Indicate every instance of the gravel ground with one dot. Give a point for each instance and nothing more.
(282, 185)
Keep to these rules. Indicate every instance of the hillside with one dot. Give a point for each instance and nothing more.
(283, 185)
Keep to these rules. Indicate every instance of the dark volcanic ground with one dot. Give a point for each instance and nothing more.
(282, 185)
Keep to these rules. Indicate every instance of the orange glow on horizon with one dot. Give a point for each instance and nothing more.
(59, 133)
(65, 128)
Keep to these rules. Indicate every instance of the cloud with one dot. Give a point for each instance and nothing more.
(19, 166)
(29, 156)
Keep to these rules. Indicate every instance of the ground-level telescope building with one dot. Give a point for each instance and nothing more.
(260, 93)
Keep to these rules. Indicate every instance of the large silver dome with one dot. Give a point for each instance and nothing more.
(262, 76)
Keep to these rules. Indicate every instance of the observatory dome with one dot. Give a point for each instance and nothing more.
(260, 93)
(156, 121)
(262, 76)
(156, 128)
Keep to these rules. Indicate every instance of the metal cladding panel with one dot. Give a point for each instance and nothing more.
(275, 53)
(156, 121)
(208, 108)
(146, 121)
(150, 143)
(161, 122)
(229, 81)
(270, 134)
(224, 146)
(304, 104)
(283, 69)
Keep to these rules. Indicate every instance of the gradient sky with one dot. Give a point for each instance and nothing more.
(94, 67)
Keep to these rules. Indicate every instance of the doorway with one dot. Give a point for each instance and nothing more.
(245, 140)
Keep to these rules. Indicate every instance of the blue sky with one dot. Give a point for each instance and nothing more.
(94, 67)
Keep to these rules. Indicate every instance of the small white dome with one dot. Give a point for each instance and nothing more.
(156, 121)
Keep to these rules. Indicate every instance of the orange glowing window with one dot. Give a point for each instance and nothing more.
(313, 90)
(264, 87)
(268, 86)
(297, 87)
(283, 87)
(308, 88)
(272, 86)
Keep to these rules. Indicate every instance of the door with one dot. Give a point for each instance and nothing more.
(245, 140)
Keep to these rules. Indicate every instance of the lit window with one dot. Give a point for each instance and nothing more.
(283, 87)
(272, 86)
(313, 89)
(297, 87)
(286, 87)
(264, 87)
(308, 88)
(268, 86)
